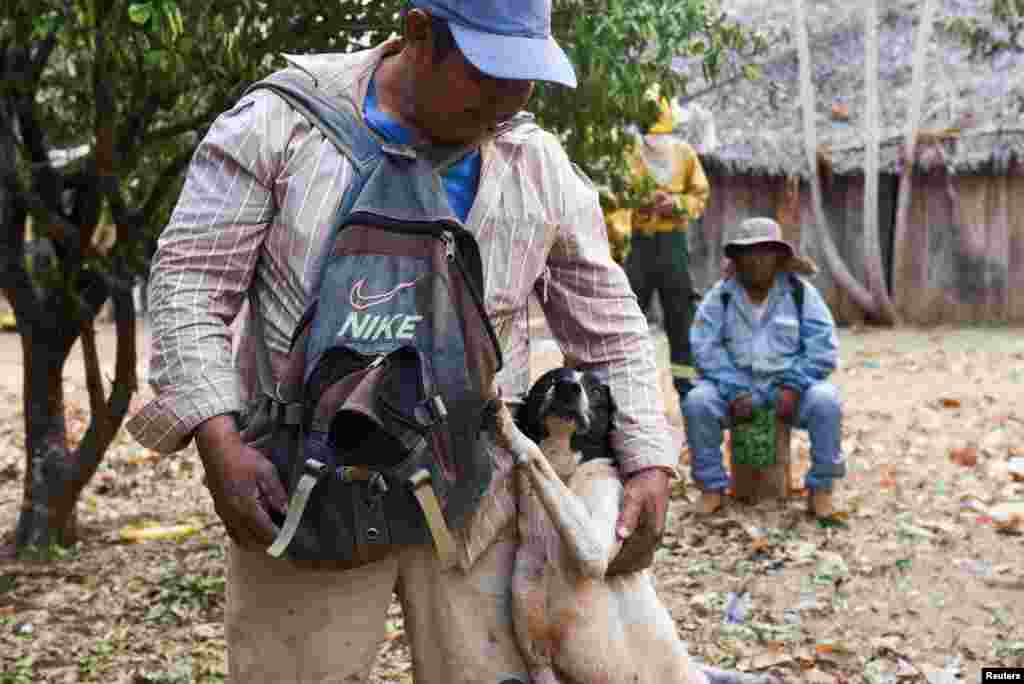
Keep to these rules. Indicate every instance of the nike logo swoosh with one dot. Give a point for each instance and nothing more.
(361, 301)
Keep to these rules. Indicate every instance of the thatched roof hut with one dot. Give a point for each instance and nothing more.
(964, 256)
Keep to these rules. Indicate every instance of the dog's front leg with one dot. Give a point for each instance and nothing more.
(591, 547)
(536, 629)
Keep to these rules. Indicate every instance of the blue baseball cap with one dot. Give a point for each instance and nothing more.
(506, 38)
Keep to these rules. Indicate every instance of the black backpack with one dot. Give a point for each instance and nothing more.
(375, 425)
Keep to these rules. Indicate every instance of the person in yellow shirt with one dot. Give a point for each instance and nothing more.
(659, 258)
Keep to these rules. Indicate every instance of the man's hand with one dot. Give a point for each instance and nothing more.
(786, 404)
(243, 483)
(741, 410)
(664, 204)
(642, 520)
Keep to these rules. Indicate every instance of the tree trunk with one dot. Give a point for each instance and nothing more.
(843, 277)
(55, 475)
(872, 133)
(906, 188)
(47, 513)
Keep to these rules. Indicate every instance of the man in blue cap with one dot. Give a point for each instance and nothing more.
(252, 219)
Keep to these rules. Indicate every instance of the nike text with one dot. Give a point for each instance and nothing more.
(370, 328)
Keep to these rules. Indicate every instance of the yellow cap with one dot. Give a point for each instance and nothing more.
(666, 118)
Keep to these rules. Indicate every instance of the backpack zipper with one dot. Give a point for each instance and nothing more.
(450, 253)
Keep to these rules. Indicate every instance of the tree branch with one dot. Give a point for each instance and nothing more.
(93, 376)
(174, 130)
(50, 222)
(15, 282)
(863, 298)
(46, 47)
(872, 250)
(107, 416)
(134, 129)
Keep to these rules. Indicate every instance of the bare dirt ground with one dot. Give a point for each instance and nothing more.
(914, 584)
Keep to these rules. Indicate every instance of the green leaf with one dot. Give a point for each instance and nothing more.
(45, 24)
(155, 58)
(140, 12)
(833, 523)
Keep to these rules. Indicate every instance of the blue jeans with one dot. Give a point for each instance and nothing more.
(820, 413)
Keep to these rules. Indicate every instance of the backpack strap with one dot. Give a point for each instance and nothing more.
(337, 121)
(798, 297)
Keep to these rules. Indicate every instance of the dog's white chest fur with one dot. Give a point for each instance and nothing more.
(564, 459)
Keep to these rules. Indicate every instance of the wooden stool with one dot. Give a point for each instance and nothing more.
(752, 485)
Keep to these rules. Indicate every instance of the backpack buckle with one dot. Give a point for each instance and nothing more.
(287, 413)
(315, 468)
(431, 411)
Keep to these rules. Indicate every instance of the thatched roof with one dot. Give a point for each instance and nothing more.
(977, 105)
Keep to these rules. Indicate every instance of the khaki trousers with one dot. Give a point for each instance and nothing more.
(289, 626)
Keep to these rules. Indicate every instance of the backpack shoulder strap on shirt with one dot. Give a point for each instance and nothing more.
(339, 122)
(798, 297)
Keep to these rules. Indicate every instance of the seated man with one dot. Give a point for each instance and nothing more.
(764, 337)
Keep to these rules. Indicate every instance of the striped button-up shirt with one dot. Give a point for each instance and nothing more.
(258, 202)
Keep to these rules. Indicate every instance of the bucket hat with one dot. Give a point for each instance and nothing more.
(755, 231)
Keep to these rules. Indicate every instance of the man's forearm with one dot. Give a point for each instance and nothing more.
(216, 436)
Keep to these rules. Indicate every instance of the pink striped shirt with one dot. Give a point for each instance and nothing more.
(259, 198)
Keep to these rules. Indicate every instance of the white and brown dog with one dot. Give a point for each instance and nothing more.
(573, 623)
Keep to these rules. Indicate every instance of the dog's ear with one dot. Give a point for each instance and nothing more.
(529, 418)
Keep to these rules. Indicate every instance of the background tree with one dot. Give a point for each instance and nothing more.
(621, 48)
(136, 84)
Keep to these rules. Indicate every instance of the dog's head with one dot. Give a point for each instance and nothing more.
(574, 396)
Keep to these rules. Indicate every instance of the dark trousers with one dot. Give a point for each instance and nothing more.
(661, 261)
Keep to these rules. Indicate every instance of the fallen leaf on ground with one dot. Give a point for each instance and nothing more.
(207, 631)
(940, 675)
(805, 657)
(827, 648)
(890, 642)
(888, 476)
(906, 669)
(155, 532)
(1016, 468)
(1008, 516)
(816, 676)
(964, 456)
(766, 660)
(758, 539)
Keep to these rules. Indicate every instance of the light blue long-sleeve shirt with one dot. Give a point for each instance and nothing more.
(743, 355)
